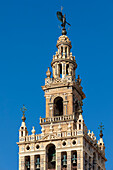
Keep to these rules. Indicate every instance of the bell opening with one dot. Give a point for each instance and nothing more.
(58, 106)
(27, 163)
(37, 162)
(74, 160)
(51, 157)
(64, 160)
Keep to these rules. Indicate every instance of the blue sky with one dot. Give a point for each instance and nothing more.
(28, 35)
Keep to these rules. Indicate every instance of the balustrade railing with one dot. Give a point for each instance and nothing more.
(56, 119)
(39, 136)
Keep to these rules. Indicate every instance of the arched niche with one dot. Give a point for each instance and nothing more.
(58, 106)
(51, 156)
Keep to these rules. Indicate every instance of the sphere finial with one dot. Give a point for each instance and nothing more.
(48, 73)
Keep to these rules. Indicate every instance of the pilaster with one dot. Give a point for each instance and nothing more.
(68, 160)
(42, 162)
(65, 107)
(21, 163)
(32, 162)
(79, 160)
(51, 109)
(58, 160)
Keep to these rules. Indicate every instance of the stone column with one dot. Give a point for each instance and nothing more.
(68, 51)
(63, 70)
(42, 162)
(58, 51)
(68, 160)
(58, 70)
(64, 51)
(21, 163)
(55, 70)
(79, 160)
(32, 162)
(51, 109)
(58, 160)
(65, 107)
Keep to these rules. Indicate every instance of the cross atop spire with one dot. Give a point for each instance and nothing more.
(101, 127)
(23, 111)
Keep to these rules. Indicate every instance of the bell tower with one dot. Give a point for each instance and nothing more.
(65, 142)
(63, 92)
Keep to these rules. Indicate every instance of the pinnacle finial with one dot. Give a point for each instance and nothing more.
(101, 127)
(23, 111)
(48, 73)
(33, 130)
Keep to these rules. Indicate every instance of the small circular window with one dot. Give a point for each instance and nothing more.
(28, 148)
(64, 143)
(37, 146)
(74, 142)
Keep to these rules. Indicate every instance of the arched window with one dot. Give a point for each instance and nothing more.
(51, 156)
(66, 52)
(67, 68)
(62, 51)
(21, 133)
(79, 126)
(58, 106)
(60, 67)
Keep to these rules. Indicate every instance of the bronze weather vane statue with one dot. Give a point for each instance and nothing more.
(62, 18)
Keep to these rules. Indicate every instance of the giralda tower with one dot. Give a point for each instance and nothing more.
(65, 142)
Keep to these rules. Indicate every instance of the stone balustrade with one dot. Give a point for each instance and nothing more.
(40, 136)
(57, 119)
(60, 56)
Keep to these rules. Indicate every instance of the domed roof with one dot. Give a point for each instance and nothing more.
(63, 39)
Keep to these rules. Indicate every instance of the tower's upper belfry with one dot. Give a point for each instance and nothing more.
(62, 84)
(63, 62)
